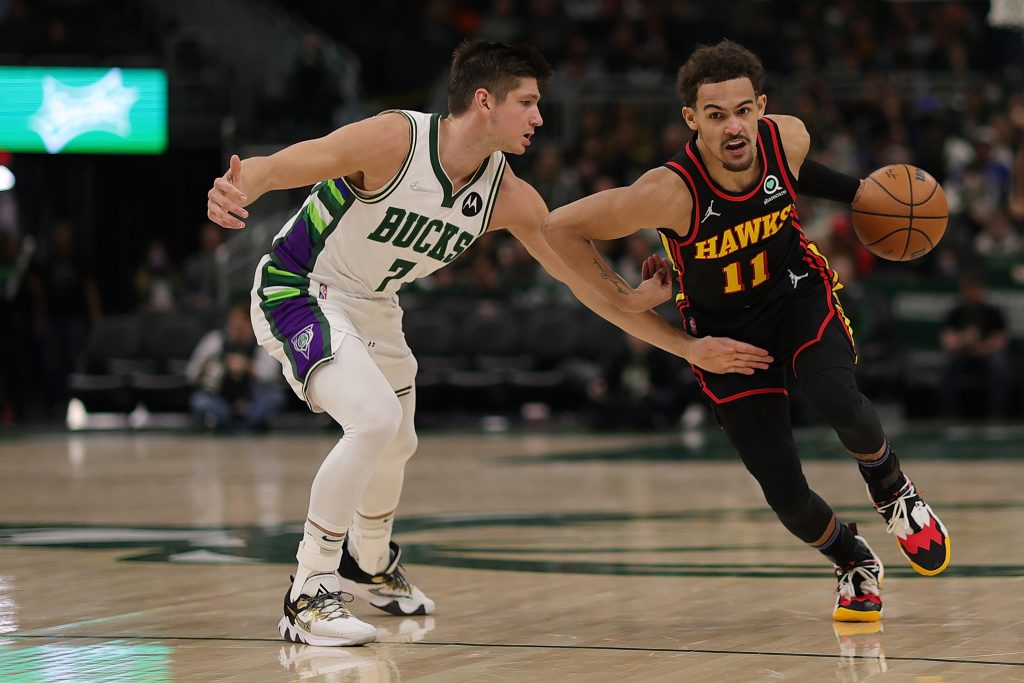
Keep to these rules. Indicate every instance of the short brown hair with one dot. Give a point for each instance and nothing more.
(494, 66)
(716, 63)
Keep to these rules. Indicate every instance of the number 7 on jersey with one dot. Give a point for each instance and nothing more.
(399, 269)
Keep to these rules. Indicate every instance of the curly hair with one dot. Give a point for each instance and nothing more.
(494, 66)
(716, 63)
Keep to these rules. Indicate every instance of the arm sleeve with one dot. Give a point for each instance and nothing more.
(817, 180)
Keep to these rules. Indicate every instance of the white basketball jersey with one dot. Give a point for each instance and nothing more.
(370, 244)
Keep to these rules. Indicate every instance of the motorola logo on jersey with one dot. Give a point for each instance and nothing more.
(472, 204)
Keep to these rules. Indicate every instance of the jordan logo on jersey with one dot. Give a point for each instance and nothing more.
(710, 212)
(303, 340)
(795, 279)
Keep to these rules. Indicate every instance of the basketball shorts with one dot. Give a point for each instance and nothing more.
(301, 323)
(809, 314)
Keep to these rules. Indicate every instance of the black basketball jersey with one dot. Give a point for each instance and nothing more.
(744, 249)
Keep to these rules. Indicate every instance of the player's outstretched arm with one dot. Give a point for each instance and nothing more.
(522, 211)
(652, 201)
(375, 146)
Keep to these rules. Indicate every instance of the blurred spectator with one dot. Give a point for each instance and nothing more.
(998, 241)
(16, 303)
(557, 184)
(975, 340)
(640, 388)
(236, 382)
(156, 283)
(199, 287)
(69, 308)
(312, 93)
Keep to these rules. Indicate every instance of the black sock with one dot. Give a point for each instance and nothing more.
(883, 476)
(844, 548)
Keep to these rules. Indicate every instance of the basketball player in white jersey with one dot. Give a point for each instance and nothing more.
(398, 196)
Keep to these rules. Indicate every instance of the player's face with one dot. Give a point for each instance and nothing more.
(725, 118)
(516, 117)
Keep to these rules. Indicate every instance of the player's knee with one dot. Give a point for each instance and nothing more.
(379, 418)
(405, 443)
(834, 396)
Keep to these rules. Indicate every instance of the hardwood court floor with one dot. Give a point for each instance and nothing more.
(551, 558)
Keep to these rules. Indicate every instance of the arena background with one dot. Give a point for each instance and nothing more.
(110, 275)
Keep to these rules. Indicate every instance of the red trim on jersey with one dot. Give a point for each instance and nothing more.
(733, 397)
(783, 168)
(817, 263)
(714, 187)
(695, 223)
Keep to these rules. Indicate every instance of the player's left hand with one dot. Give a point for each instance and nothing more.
(656, 287)
(226, 200)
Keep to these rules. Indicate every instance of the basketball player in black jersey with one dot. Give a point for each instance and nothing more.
(725, 208)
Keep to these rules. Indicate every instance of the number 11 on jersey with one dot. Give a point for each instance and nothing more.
(734, 276)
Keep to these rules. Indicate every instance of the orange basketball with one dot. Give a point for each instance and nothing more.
(900, 212)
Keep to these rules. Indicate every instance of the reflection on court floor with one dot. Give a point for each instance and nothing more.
(630, 557)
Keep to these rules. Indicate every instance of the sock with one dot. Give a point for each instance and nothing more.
(369, 542)
(842, 548)
(883, 476)
(319, 553)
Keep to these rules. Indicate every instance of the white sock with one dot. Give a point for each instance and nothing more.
(369, 542)
(319, 553)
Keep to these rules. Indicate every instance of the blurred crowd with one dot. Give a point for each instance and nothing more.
(931, 84)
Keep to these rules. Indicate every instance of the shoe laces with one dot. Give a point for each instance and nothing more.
(330, 605)
(396, 579)
(895, 511)
(868, 580)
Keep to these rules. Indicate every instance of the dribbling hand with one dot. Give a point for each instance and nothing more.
(226, 199)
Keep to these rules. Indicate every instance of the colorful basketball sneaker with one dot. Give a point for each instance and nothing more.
(921, 536)
(859, 594)
(319, 616)
(389, 590)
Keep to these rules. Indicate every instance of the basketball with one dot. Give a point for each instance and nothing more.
(900, 212)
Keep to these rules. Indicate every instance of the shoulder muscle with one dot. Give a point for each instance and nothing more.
(796, 140)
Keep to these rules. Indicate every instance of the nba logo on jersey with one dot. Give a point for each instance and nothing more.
(693, 326)
(323, 291)
(302, 340)
(472, 204)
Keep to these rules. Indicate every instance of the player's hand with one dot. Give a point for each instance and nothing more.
(226, 199)
(656, 287)
(721, 355)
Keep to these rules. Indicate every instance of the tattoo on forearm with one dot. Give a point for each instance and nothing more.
(611, 277)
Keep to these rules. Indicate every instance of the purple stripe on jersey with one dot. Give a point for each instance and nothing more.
(296, 249)
(298, 327)
(343, 188)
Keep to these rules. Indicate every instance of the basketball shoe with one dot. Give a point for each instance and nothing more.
(859, 594)
(389, 590)
(920, 535)
(319, 616)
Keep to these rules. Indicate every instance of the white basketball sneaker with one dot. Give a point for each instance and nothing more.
(319, 616)
(389, 590)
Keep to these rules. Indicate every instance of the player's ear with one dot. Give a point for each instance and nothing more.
(482, 99)
(762, 101)
(690, 116)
